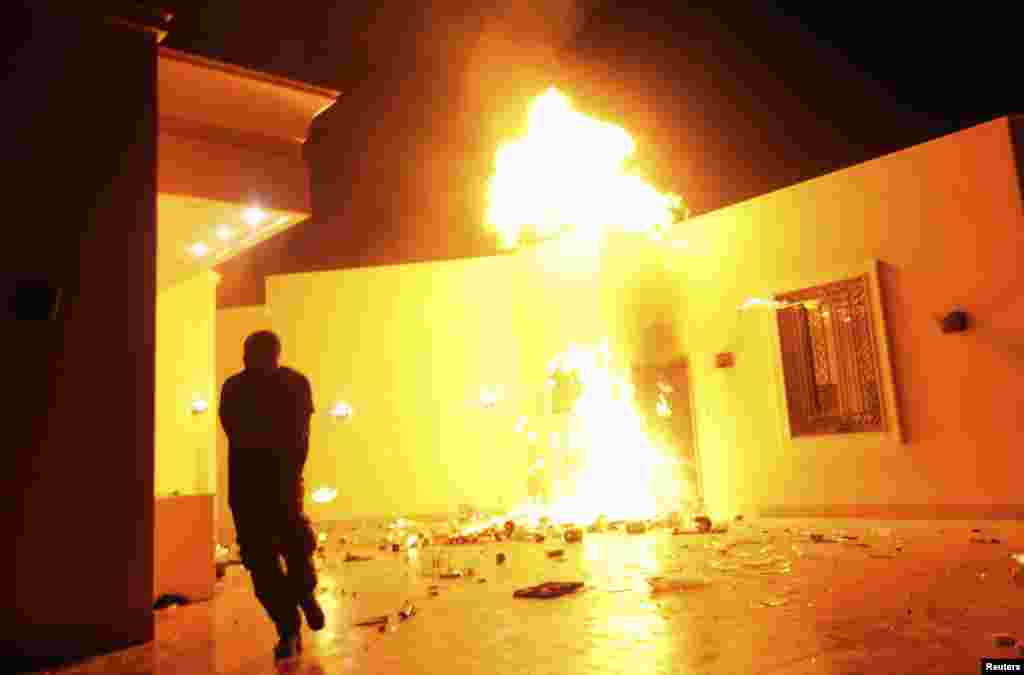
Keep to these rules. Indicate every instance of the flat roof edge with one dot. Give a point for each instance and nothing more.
(247, 73)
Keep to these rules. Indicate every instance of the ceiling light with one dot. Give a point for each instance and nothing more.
(254, 216)
(199, 249)
(224, 232)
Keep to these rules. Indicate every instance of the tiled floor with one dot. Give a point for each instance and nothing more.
(853, 606)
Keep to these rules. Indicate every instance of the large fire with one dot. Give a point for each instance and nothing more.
(569, 173)
(615, 470)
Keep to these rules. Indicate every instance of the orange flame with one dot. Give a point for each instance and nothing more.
(568, 173)
(621, 473)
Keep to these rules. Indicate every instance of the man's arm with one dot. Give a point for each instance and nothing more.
(305, 412)
(225, 410)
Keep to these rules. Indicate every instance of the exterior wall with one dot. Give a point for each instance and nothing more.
(183, 547)
(410, 346)
(945, 219)
(81, 132)
(233, 325)
(185, 355)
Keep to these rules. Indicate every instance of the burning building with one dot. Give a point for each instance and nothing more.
(787, 355)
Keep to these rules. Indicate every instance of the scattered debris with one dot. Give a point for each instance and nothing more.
(375, 621)
(407, 610)
(395, 548)
(500, 558)
(557, 553)
(985, 540)
(1004, 640)
(573, 535)
(819, 538)
(774, 602)
(356, 558)
(636, 527)
(169, 600)
(703, 523)
(739, 518)
(664, 584)
(452, 574)
(481, 580)
(551, 589)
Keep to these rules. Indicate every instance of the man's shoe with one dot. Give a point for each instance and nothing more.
(287, 648)
(314, 613)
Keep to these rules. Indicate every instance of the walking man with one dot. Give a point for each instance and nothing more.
(265, 411)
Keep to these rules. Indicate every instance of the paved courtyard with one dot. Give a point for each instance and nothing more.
(871, 597)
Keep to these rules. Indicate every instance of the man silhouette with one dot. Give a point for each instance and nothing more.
(265, 411)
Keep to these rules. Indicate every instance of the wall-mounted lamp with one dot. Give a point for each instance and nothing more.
(341, 411)
(199, 406)
(324, 495)
(489, 396)
(725, 360)
(956, 321)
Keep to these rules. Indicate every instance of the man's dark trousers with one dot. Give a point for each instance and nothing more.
(270, 524)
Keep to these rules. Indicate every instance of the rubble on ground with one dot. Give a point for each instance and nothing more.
(550, 589)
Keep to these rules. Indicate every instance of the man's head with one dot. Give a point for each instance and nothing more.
(262, 351)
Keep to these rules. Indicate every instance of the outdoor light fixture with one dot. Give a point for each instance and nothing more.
(254, 216)
(341, 411)
(200, 405)
(956, 321)
(199, 249)
(489, 396)
(324, 495)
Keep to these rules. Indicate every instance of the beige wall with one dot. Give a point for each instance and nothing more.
(410, 346)
(233, 325)
(945, 220)
(185, 442)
